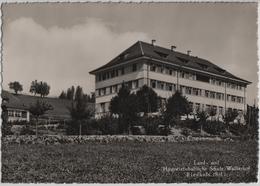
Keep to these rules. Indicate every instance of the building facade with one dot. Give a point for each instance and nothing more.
(206, 85)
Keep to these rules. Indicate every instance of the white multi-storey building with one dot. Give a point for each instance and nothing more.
(165, 70)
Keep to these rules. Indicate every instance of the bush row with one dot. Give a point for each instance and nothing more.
(46, 140)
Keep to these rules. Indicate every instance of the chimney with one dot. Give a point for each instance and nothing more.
(153, 41)
(189, 52)
(173, 48)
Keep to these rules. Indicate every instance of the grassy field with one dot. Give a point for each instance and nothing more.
(127, 162)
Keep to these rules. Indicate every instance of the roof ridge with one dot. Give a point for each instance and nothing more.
(141, 47)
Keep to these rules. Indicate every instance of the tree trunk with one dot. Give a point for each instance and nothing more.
(36, 128)
(80, 129)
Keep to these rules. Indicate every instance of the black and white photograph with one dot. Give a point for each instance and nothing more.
(117, 92)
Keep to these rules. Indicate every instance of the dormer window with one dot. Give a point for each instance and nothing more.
(203, 66)
(219, 69)
(183, 60)
(161, 54)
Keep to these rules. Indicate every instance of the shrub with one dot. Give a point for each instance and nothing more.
(6, 128)
(108, 125)
(185, 132)
(18, 123)
(27, 131)
(214, 127)
(190, 124)
(154, 125)
(238, 129)
(138, 130)
(163, 130)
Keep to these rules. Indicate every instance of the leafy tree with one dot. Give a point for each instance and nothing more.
(6, 128)
(63, 95)
(70, 93)
(203, 116)
(230, 116)
(125, 105)
(44, 89)
(41, 88)
(252, 116)
(79, 111)
(212, 112)
(38, 109)
(176, 106)
(16, 86)
(34, 87)
(147, 99)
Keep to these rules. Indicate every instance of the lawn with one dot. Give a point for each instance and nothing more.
(128, 162)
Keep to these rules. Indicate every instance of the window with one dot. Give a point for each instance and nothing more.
(114, 89)
(197, 107)
(182, 74)
(233, 98)
(220, 110)
(208, 108)
(212, 95)
(103, 76)
(134, 67)
(129, 84)
(214, 108)
(135, 84)
(207, 93)
(153, 83)
(107, 75)
(219, 83)
(18, 114)
(168, 86)
(116, 73)
(213, 81)
(191, 105)
(161, 85)
(113, 73)
(99, 77)
(10, 113)
(191, 76)
(228, 85)
(103, 91)
(24, 114)
(186, 75)
(153, 67)
(102, 107)
(196, 92)
(188, 90)
(162, 69)
(170, 71)
(111, 89)
(219, 96)
(122, 71)
(228, 97)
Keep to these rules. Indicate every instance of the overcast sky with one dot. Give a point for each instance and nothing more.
(61, 42)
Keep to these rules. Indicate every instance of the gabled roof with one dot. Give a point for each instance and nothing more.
(143, 49)
(20, 101)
